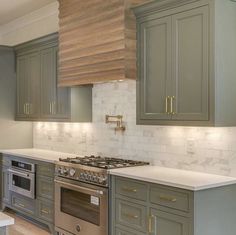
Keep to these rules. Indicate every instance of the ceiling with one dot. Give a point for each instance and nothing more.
(12, 9)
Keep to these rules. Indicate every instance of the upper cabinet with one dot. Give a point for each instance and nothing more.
(38, 97)
(179, 82)
(97, 41)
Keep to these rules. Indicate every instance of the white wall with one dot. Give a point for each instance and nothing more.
(34, 25)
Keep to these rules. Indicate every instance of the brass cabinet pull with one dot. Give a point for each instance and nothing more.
(150, 224)
(50, 107)
(24, 109)
(130, 215)
(45, 211)
(167, 198)
(171, 105)
(132, 190)
(167, 101)
(21, 205)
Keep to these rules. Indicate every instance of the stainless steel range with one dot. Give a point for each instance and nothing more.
(81, 194)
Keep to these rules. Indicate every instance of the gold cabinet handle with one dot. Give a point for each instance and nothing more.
(130, 215)
(171, 105)
(24, 109)
(150, 224)
(167, 198)
(167, 106)
(131, 190)
(20, 204)
(45, 211)
(50, 109)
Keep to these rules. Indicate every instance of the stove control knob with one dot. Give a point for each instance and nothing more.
(72, 172)
(59, 170)
(81, 175)
(102, 179)
(65, 171)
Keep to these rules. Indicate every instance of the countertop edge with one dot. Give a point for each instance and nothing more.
(176, 185)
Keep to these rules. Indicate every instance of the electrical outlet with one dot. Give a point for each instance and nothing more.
(191, 146)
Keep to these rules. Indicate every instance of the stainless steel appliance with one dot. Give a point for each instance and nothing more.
(22, 178)
(81, 194)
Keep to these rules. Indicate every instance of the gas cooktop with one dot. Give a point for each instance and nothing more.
(103, 162)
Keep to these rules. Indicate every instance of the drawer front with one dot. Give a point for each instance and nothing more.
(131, 189)
(46, 169)
(45, 187)
(131, 215)
(123, 232)
(45, 210)
(23, 203)
(169, 198)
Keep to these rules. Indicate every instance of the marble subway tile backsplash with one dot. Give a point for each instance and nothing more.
(204, 149)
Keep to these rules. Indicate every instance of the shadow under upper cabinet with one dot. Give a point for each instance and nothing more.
(186, 63)
(38, 96)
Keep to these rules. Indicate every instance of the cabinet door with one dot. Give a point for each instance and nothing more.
(62, 96)
(22, 86)
(154, 84)
(28, 86)
(5, 186)
(190, 64)
(164, 223)
(48, 83)
(54, 101)
(33, 79)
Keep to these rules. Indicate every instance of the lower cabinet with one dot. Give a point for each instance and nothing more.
(5, 185)
(40, 209)
(163, 223)
(45, 210)
(143, 208)
(23, 203)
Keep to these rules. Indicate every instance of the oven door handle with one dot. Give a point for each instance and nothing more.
(80, 188)
(19, 173)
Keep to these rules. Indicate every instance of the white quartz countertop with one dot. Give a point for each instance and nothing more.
(189, 180)
(38, 154)
(5, 220)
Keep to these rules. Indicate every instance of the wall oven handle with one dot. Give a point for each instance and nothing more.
(80, 188)
(19, 173)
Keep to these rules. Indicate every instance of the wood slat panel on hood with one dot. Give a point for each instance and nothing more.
(97, 41)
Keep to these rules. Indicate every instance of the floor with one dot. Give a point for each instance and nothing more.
(24, 227)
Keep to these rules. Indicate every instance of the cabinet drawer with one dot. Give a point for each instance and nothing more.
(45, 169)
(123, 232)
(131, 215)
(169, 198)
(131, 189)
(44, 187)
(45, 210)
(23, 203)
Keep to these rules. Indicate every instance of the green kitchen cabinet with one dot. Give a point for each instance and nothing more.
(164, 223)
(183, 77)
(38, 96)
(28, 83)
(41, 208)
(54, 101)
(167, 210)
(5, 185)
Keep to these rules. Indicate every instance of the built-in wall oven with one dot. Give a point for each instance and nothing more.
(80, 208)
(22, 178)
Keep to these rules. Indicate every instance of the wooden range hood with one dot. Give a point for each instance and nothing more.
(97, 41)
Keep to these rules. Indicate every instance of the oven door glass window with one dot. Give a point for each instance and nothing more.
(21, 182)
(80, 205)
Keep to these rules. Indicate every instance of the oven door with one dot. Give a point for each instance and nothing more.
(81, 208)
(22, 183)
